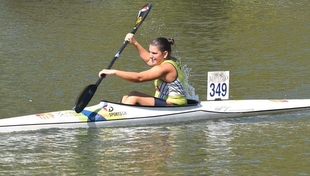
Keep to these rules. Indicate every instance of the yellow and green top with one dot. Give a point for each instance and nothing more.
(173, 92)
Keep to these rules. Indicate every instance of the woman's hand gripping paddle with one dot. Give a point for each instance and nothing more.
(89, 91)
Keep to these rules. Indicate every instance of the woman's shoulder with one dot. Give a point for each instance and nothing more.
(169, 61)
(172, 62)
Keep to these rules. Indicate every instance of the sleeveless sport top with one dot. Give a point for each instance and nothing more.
(173, 92)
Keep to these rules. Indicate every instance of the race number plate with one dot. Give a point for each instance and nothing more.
(218, 85)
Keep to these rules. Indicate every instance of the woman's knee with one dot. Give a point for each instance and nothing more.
(124, 98)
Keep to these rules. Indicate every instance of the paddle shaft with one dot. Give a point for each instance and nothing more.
(115, 58)
(139, 21)
(88, 92)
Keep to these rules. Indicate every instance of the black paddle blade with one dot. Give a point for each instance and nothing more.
(85, 97)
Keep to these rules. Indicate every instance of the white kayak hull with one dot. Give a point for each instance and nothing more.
(109, 114)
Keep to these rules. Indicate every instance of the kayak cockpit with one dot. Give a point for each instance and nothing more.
(190, 102)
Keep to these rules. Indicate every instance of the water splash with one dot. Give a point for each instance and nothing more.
(189, 90)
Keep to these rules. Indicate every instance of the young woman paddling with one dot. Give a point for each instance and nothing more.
(165, 71)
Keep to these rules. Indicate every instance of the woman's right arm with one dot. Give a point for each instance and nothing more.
(144, 54)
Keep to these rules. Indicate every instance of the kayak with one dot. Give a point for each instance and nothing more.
(111, 114)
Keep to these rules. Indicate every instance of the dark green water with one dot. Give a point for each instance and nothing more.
(50, 50)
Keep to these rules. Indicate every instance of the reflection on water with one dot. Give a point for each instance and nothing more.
(233, 146)
(50, 50)
(141, 150)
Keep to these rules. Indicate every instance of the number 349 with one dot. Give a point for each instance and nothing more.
(219, 89)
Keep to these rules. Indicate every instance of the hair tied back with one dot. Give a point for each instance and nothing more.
(171, 41)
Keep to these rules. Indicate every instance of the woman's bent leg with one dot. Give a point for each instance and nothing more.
(136, 97)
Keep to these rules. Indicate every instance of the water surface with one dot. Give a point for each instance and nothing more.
(50, 50)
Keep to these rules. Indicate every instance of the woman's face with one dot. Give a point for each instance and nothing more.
(156, 55)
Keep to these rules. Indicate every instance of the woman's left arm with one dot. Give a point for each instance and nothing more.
(147, 75)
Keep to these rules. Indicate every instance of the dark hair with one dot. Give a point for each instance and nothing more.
(163, 44)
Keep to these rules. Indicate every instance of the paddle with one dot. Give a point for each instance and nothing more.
(88, 92)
